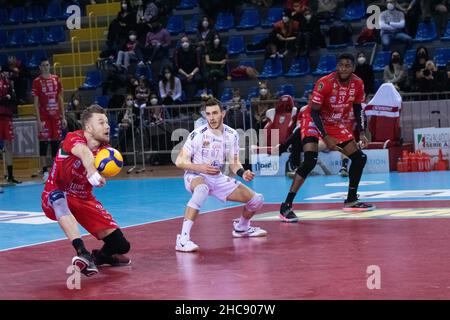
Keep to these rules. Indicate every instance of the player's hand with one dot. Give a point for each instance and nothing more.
(331, 143)
(207, 169)
(363, 141)
(248, 175)
(96, 180)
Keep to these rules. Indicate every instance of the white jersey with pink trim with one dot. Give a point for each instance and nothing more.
(205, 147)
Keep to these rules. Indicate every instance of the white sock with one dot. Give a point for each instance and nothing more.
(186, 230)
(243, 224)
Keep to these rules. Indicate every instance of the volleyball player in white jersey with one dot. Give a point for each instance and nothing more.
(205, 153)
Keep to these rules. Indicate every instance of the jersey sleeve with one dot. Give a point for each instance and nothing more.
(71, 140)
(360, 96)
(320, 92)
(35, 88)
(189, 145)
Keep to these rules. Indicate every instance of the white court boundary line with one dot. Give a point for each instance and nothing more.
(130, 226)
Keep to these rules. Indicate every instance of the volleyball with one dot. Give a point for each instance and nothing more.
(109, 162)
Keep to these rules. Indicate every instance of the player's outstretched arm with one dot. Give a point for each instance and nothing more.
(184, 162)
(87, 159)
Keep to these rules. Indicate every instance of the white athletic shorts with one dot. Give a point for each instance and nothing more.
(220, 186)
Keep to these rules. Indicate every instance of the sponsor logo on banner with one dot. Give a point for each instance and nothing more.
(269, 165)
(429, 140)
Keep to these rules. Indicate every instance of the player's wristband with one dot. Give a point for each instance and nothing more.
(240, 172)
(95, 179)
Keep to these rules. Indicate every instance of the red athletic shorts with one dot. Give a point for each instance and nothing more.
(90, 214)
(6, 129)
(52, 130)
(338, 131)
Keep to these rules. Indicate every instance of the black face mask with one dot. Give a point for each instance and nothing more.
(395, 60)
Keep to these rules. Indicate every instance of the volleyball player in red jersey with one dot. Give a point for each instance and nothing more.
(332, 99)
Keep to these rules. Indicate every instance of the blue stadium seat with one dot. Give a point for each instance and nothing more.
(272, 68)
(300, 67)
(286, 89)
(175, 25)
(93, 80)
(53, 12)
(382, 58)
(227, 94)
(3, 38)
(247, 63)
(307, 90)
(446, 36)
(409, 57)
(187, 4)
(102, 101)
(3, 16)
(250, 19)
(355, 11)
(145, 71)
(35, 59)
(426, 32)
(55, 34)
(377, 83)
(35, 37)
(3, 59)
(34, 14)
(22, 56)
(17, 38)
(327, 64)
(236, 45)
(273, 15)
(256, 39)
(199, 93)
(193, 24)
(16, 16)
(441, 56)
(225, 21)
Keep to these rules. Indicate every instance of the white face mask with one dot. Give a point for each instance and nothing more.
(263, 91)
(236, 99)
(185, 45)
(216, 41)
(167, 75)
(308, 17)
(390, 6)
(361, 60)
(75, 102)
(124, 6)
(129, 103)
(205, 24)
(285, 19)
(154, 101)
(132, 38)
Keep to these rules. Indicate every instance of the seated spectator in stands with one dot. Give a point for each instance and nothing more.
(205, 34)
(142, 92)
(411, 9)
(340, 33)
(19, 75)
(125, 18)
(125, 120)
(283, 36)
(420, 60)
(259, 106)
(141, 26)
(433, 79)
(132, 50)
(392, 25)
(365, 71)
(310, 35)
(298, 6)
(157, 115)
(395, 72)
(157, 43)
(216, 65)
(187, 66)
(326, 9)
(170, 89)
(236, 115)
(75, 107)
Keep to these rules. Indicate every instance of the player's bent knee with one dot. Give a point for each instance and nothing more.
(117, 242)
(255, 203)
(199, 196)
(59, 204)
(309, 162)
(358, 158)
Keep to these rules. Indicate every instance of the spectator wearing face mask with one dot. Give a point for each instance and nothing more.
(157, 43)
(205, 34)
(170, 89)
(259, 105)
(142, 92)
(125, 18)
(421, 58)
(187, 64)
(216, 65)
(310, 35)
(283, 36)
(127, 118)
(132, 50)
(392, 25)
(365, 71)
(395, 72)
(157, 115)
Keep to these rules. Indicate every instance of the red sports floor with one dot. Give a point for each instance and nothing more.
(314, 259)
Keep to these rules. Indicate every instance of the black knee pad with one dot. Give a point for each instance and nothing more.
(358, 158)
(43, 146)
(309, 162)
(116, 243)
